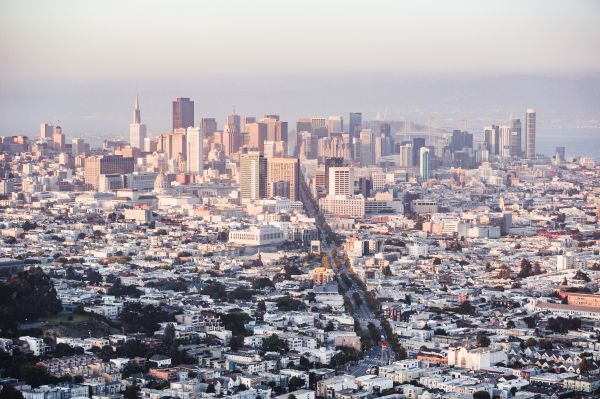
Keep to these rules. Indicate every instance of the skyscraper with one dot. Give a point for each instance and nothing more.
(505, 136)
(283, 171)
(530, 134)
(58, 139)
(335, 124)
(341, 181)
(183, 113)
(105, 165)
(209, 126)
(492, 139)
(354, 128)
(253, 176)
(405, 156)
(515, 137)
(424, 163)
(137, 130)
(417, 144)
(195, 150)
(46, 131)
(367, 147)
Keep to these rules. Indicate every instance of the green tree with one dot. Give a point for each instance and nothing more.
(131, 392)
(169, 335)
(481, 395)
(274, 344)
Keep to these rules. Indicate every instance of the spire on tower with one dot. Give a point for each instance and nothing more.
(136, 112)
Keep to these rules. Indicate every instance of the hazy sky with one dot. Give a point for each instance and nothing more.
(83, 61)
(148, 38)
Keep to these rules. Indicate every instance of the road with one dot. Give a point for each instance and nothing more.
(360, 311)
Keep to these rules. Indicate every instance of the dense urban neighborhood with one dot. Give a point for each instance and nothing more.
(361, 265)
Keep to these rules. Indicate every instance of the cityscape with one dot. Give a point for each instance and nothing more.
(342, 253)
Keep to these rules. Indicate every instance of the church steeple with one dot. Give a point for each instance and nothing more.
(136, 112)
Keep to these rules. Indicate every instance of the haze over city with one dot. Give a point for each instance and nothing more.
(299, 200)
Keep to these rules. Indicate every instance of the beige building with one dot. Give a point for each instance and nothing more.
(283, 170)
(105, 165)
(253, 176)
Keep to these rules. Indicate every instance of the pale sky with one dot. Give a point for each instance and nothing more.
(81, 63)
(77, 39)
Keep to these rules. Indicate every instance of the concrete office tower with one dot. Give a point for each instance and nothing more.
(530, 134)
(179, 145)
(335, 125)
(341, 181)
(405, 156)
(46, 131)
(276, 129)
(318, 123)
(58, 139)
(208, 126)
(515, 138)
(137, 130)
(150, 145)
(354, 128)
(283, 172)
(77, 147)
(253, 176)
(105, 165)
(183, 113)
(424, 163)
(505, 134)
(367, 147)
(257, 134)
(195, 150)
(231, 140)
(492, 139)
(304, 125)
(417, 144)
(560, 155)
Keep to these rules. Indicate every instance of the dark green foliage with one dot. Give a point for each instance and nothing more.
(274, 344)
(345, 355)
(118, 289)
(563, 325)
(262, 283)
(288, 304)
(214, 289)
(235, 322)
(138, 318)
(27, 296)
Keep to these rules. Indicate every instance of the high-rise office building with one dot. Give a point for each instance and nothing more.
(58, 139)
(77, 146)
(46, 131)
(354, 128)
(178, 145)
(137, 130)
(195, 150)
(424, 163)
(355, 124)
(208, 126)
(341, 181)
(405, 156)
(367, 147)
(515, 138)
(304, 125)
(417, 144)
(283, 172)
(253, 176)
(331, 162)
(335, 124)
(492, 139)
(183, 113)
(105, 165)
(530, 134)
(505, 135)
(257, 134)
(277, 130)
(560, 154)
